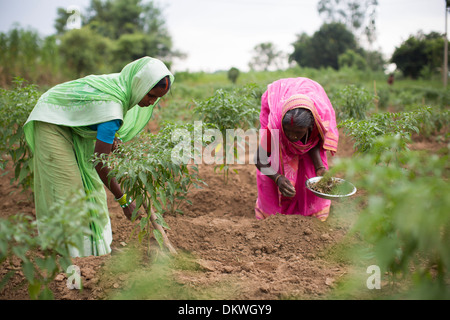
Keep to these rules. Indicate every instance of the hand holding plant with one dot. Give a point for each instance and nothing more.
(117, 141)
(148, 174)
(128, 211)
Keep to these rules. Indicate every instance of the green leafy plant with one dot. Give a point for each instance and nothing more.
(400, 124)
(433, 123)
(353, 102)
(15, 107)
(43, 255)
(151, 173)
(229, 110)
(233, 74)
(238, 108)
(404, 219)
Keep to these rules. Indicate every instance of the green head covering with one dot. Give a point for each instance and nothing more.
(100, 98)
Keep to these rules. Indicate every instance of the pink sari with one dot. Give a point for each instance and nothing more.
(293, 158)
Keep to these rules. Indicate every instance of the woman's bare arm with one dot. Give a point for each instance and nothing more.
(319, 167)
(111, 183)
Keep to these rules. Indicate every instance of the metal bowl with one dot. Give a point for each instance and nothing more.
(351, 187)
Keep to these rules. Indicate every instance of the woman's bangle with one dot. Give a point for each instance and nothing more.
(321, 167)
(123, 201)
(127, 203)
(276, 179)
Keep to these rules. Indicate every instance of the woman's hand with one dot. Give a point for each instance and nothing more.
(285, 186)
(116, 143)
(128, 211)
(321, 171)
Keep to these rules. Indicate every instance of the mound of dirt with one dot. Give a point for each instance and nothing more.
(268, 259)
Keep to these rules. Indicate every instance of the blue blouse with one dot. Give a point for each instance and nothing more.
(107, 130)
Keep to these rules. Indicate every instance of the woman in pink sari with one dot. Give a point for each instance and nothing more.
(298, 127)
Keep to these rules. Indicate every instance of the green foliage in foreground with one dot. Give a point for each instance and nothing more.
(158, 278)
(42, 256)
(148, 173)
(405, 218)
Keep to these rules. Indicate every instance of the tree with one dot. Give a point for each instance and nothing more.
(64, 17)
(324, 47)
(233, 74)
(113, 18)
(375, 60)
(50, 59)
(357, 15)
(419, 55)
(266, 56)
(20, 51)
(352, 59)
(84, 51)
(126, 30)
(303, 52)
(132, 46)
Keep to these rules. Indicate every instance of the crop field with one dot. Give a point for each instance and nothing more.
(391, 240)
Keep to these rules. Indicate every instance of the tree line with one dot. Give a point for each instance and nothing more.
(111, 34)
(114, 32)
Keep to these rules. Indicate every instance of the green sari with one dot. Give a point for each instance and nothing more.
(62, 144)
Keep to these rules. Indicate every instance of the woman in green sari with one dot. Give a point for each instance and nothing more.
(76, 119)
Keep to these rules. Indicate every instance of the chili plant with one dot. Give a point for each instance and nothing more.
(150, 173)
(405, 219)
(45, 254)
(401, 124)
(229, 110)
(15, 107)
(435, 123)
(353, 102)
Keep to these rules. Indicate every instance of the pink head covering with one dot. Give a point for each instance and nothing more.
(287, 94)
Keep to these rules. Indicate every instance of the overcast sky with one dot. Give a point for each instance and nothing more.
(220, 34)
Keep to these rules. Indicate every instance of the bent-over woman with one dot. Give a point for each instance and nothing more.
(298, 127)
(76, 119)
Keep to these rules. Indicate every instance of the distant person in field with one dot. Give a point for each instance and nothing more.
(298, 127)
(76, 119)
(391, 79)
